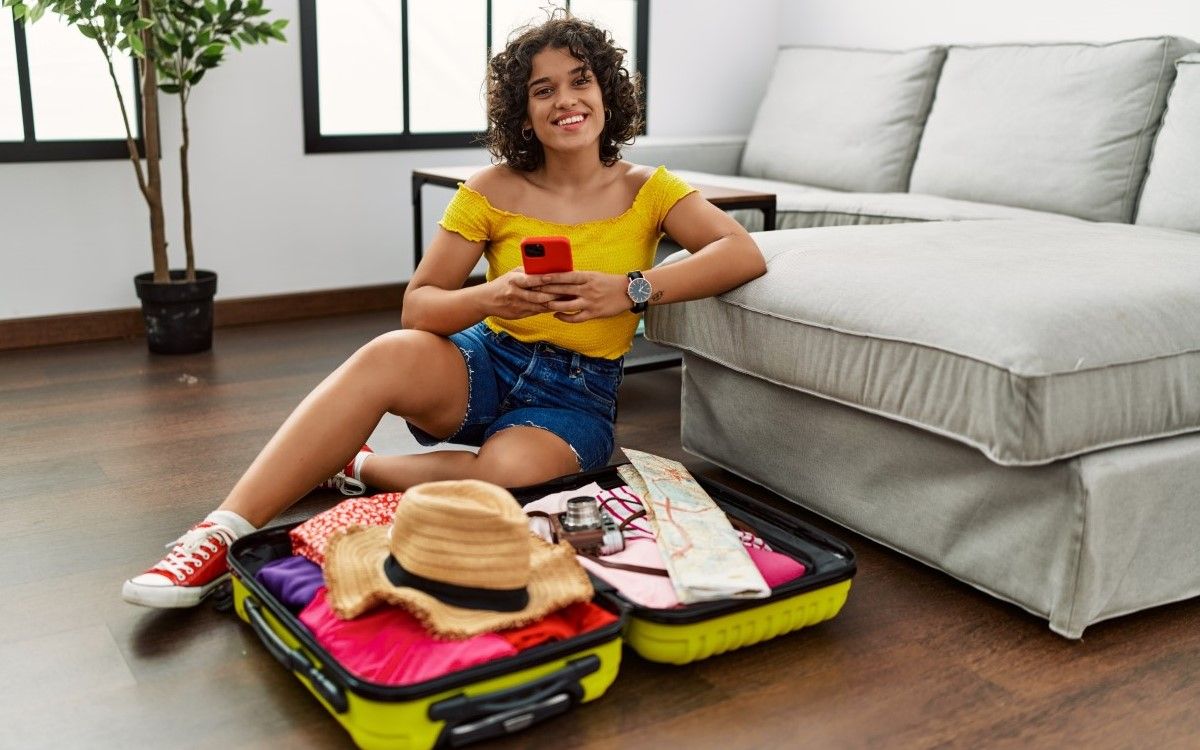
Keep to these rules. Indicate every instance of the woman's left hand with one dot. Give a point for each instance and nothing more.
(586, 295)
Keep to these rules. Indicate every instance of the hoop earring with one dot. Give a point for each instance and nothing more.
(527, 134)
(607, 115)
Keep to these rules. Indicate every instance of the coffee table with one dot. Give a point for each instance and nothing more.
(644, 355)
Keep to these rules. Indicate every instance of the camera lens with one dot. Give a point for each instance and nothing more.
(535, 250)
(583, 512)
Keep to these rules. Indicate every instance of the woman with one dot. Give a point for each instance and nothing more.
(525, 367)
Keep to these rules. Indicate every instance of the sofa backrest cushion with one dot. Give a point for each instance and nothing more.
(1065, 128)
(844, 119)
(1171, 195)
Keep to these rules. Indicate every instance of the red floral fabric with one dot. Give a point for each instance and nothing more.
(309, 538)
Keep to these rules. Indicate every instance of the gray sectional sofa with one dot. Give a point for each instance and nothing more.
(978, 339)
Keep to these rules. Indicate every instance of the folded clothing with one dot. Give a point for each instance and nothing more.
(568, 622)
(388, 646)
(293, 581)
(309, 538)
(641, 548)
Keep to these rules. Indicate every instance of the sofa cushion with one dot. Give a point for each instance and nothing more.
(801, 206)
(1171, 196)
(1065, 128)
(842, 118)
(1031, 341)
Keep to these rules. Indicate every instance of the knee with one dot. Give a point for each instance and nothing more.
(394, 349)
(518, 473)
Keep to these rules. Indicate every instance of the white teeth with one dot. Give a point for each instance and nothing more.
(570, 120)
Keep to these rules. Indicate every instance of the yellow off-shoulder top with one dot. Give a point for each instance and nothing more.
(619, 244)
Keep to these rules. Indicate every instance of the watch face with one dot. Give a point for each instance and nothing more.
(639, 290)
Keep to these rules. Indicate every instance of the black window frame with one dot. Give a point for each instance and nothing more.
(31, 149)
(316, 143)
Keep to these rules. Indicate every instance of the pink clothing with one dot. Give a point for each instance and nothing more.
(309, 538)
(388, 646)
(647, 590)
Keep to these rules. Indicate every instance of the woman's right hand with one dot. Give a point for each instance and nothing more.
(513, 296)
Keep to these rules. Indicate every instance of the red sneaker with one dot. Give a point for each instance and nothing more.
(191, 570)
(346, 481)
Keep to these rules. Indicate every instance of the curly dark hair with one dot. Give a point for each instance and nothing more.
(508, 94)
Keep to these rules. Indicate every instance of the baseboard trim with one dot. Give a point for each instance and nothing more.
(78, 328)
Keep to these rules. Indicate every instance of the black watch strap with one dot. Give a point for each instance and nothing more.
(638, 307)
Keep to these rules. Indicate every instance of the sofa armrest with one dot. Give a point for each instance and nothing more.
(720, 154)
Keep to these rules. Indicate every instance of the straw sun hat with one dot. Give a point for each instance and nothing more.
(460, 557)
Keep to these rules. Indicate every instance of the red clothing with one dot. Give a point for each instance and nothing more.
(309, 538)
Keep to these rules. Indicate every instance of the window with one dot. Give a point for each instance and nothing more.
(371, 85)
(56, 97)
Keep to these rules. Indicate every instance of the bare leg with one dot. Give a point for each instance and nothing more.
(413, 374)
(513, 457)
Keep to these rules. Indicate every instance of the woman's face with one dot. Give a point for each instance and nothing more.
(566, 106)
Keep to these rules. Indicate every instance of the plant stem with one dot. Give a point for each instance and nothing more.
(158, 233)
(134, 157)
(185, 186)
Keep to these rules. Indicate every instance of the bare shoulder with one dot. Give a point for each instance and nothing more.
(637, 175)
(498, 183)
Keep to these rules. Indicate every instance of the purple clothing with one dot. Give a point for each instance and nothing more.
(292, 580)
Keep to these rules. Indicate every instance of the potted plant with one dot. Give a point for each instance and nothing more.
(175, 42)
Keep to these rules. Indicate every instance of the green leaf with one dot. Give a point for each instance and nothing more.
(19, 12)
(135, 43)
(91, 32)
(170, 88)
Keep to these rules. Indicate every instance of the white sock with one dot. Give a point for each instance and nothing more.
(232, 521)
(359, 460)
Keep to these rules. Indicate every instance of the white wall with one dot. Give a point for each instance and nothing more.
(900, 24)
(270, 219)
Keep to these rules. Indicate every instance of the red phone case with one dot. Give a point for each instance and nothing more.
(546, 255)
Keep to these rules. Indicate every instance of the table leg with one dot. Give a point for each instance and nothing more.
(769, 219)
(418, 242)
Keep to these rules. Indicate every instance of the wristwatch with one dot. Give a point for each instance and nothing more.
(639, 290)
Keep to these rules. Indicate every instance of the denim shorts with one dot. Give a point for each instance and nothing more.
(512, 383)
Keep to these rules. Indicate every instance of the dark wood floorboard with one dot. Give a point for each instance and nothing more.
(107, 452)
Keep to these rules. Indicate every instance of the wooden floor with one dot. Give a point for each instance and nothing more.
(107, 452)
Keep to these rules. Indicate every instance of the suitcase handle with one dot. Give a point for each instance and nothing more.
(470, 718)
(295, 659)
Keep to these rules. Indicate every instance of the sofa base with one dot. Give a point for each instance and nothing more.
(1075, 541)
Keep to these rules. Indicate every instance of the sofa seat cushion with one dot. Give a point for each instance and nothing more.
(1029, 340)
(846, 119)
(1054, 127)
(801, 206)
(1171, 196)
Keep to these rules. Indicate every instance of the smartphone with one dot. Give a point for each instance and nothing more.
(546, 255)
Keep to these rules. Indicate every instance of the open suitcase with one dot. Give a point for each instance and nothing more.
(511, 694)
(698, 631)
(489, 700)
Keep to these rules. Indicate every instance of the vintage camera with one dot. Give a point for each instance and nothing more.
(589, 529)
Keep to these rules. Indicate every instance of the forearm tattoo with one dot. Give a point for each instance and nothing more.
(656, 296)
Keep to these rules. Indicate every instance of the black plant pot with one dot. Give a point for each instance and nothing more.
(179, 315)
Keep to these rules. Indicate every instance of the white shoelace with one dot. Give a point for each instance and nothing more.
(189, 551)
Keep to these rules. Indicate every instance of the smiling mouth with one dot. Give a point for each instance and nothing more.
(570, 120)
